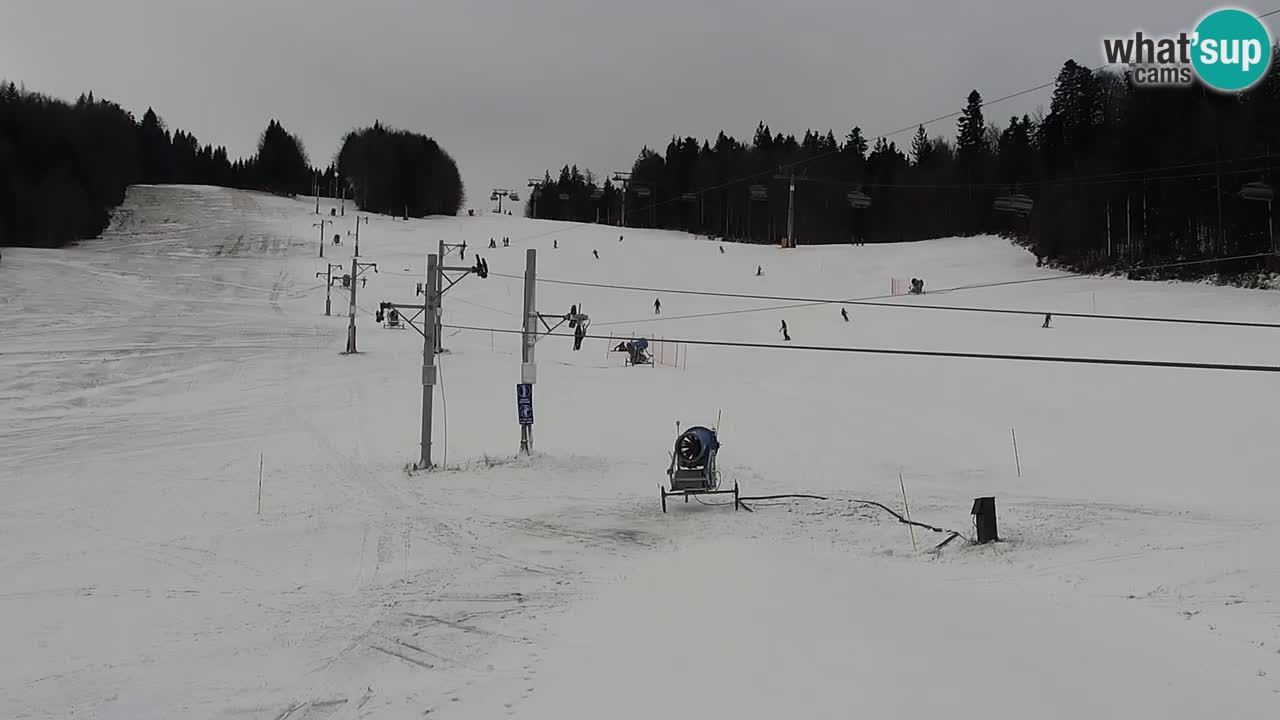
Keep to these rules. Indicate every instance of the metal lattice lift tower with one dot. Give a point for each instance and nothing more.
(791, 206)
(357, 269)
(429, 313)
(356, 234)
(535, 193)
(530, 334)
(498, 194)
(480, 268)
(328, 280)
(625, 179)
(321, 225)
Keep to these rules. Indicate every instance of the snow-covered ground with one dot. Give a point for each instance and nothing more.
(145, 375)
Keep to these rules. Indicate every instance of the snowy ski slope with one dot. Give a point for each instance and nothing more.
(144, 376)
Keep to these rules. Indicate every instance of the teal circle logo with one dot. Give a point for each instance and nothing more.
(1232, 50)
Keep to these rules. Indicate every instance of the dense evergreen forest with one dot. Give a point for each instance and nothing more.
(397, 172)
(1117, 176)
(65, 166)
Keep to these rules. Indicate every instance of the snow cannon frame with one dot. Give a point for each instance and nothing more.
(693, 466)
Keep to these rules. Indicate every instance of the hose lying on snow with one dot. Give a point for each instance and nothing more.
(951, 534)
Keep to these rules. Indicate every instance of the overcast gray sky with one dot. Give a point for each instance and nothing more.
(511, 88)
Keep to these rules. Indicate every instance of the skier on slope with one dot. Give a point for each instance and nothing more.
(759, 271)
(844, 314)
(596, 253)
(657, 306)
(786, 336)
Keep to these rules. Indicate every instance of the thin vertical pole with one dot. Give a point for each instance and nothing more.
(351, 312)
(1108, 228)
(907, 507)
(726, 215)
(1221, 240)
(1017, 462)
(428, 362)
(1144, 218)
(440, 307)
(791, 213)
(528, 336)
(328, 287)
(261, 460)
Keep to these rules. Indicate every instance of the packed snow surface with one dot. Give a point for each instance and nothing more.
(147, 376)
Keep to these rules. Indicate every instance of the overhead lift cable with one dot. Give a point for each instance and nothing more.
(1189, 365)
(794, 302)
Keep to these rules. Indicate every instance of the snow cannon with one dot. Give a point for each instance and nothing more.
(696, 448)
(693, 466)
(637, 352)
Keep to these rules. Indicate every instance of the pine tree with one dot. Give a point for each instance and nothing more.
(282, 161)
(971, 128)
(921, 148)
(763, 140)
(855, 143)
(155, 150)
